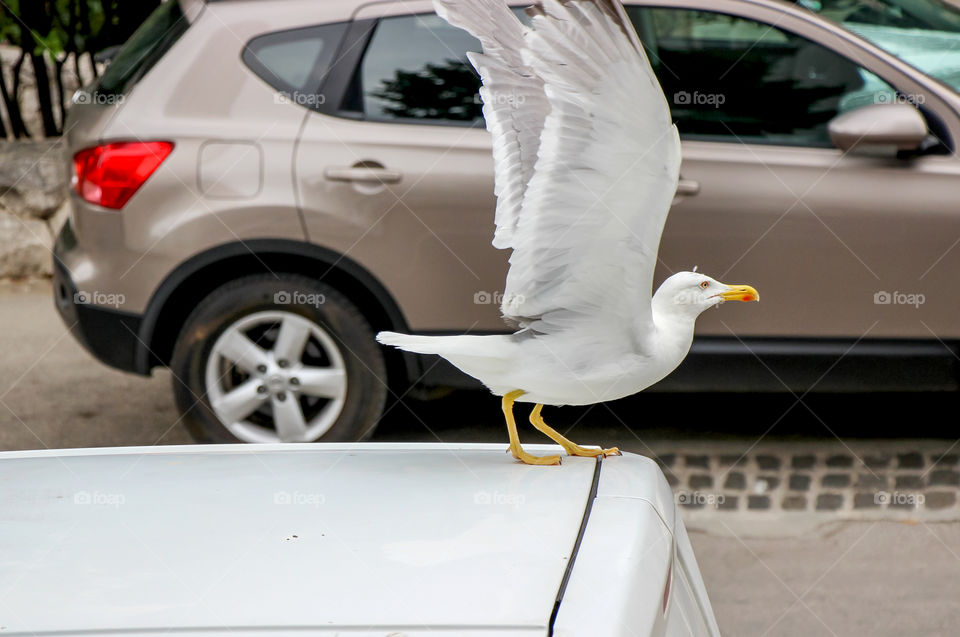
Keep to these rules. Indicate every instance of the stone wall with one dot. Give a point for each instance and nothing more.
(33, 192)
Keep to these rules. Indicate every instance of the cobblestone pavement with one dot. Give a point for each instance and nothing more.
(903, 480)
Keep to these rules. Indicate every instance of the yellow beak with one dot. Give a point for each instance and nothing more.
(740, 293)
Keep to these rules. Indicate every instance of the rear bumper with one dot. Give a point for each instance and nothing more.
(107, 333)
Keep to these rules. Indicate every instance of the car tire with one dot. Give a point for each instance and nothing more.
(233, 383)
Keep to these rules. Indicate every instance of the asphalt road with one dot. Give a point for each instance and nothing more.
(879, 577)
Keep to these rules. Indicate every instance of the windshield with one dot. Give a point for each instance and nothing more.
(923, 33)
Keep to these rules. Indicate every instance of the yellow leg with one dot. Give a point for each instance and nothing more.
(515, 447)
(573, 449)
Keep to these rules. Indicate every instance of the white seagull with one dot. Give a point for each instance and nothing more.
(586, 166)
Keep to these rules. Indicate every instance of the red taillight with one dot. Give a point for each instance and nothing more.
(109, 175)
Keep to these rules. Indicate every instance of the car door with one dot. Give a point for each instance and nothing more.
(397, 176)
(827, 237)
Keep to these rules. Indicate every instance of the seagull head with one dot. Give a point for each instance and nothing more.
(690, 293)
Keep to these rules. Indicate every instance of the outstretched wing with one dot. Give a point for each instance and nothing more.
(514, 103)
(586, 241)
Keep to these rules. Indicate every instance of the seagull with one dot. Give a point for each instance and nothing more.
(587, 161)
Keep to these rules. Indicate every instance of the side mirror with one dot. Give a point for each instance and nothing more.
(879, 128)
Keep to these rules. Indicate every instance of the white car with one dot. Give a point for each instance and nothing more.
(334, 539)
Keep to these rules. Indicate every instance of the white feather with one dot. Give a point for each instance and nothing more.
(514, 103)
(587, 163)
(586, 243)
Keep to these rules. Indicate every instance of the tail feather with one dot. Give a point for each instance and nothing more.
(487, 358)
(454, 348)
(412, 342)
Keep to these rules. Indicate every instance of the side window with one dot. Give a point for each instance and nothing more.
(416, 69)
(295, 62)
(730, 78)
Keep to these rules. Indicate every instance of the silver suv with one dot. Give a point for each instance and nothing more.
(260, 186)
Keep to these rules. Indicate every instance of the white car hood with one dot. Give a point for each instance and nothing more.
(366, 539)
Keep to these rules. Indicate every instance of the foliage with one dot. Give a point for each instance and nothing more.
(55, 35)
(447, 91)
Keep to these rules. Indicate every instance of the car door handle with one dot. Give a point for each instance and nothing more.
(688, 188)
(364, 174)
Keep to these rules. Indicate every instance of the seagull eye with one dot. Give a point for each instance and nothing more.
(705, 285)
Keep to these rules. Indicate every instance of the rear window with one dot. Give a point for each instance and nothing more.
(416, 68)
(295, 62)
(145, 47)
